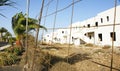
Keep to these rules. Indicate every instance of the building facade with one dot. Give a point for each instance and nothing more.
(97, 30)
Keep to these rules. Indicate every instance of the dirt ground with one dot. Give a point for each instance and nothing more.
(83, 58)
(71, 58)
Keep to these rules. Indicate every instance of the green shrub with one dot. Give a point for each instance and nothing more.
(10, 50)
(18, 51)
(15, 50)
(3, 58)
(10, 56)
(12, 59)
(8, 59)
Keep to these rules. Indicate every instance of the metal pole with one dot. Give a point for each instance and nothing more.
(26, 46)
(71, 21)
(54, 21)
(39, 20)
(115, 1)
(45, 19)
(36, 39)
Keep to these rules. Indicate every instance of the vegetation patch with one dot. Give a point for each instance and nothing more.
(89, 45)
(10, 56)
(106, 47)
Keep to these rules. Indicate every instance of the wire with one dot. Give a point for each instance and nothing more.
(39, 21)
(72, 13)
(36, 39)
(62, 8)
(50, 1)
(84, 26)
(45, 17)
(55, 19)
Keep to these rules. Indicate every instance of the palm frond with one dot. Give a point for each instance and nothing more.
(42, 27)
(3, 15)
(7, 3)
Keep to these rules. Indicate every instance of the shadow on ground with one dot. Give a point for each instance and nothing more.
(71, 59)
(65, 64)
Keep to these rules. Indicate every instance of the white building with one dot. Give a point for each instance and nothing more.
(59, 36)
(96, 30)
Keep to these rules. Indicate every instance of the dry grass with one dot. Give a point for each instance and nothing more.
(89, 45)
(62, 66)
(56, 58)
(106, 47)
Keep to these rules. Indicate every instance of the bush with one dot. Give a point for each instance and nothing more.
(8, 59)
(10, 56)
(15, 50)
(12, 59)
(3, 59)
(18, 51)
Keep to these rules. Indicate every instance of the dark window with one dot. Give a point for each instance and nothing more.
(113, 34)
(96, 23)
(101, 20)
(88, 25)
(62, 32)
(47, 35)
(44, 39)
(72, 39)
(100, 36)
(90, 36)
(107, 18)
(76, 27)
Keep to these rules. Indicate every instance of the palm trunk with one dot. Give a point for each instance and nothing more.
(1, 36)
(18, 42)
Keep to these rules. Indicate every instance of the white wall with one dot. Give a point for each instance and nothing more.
(102, 28)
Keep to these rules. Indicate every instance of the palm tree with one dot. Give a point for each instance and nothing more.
(19, 26)
(2, 30)
(7, 35)
(6, 3)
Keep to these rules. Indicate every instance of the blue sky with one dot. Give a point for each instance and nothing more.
(82, 10)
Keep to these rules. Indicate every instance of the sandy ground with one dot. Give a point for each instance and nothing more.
(84, 58)
(76, 58)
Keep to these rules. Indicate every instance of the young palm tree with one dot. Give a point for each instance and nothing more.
(6, 36)
(19, 25)
(2, 30)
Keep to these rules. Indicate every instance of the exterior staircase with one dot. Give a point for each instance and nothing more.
(83, 39)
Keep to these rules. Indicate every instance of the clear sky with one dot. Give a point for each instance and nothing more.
(82, 10)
